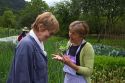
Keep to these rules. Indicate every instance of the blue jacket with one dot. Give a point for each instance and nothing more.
(29, 63)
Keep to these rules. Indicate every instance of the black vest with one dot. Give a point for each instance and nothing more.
(78, 56)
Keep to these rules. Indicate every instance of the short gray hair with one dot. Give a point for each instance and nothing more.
(80, 27)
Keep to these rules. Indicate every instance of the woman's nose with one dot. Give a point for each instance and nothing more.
(48, 33)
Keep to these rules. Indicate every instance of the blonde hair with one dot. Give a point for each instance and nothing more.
(48, 20)
(80, 27)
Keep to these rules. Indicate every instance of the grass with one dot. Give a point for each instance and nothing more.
(107, 69)
(6, 52)
(6, 32)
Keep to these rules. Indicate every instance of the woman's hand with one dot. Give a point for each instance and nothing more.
(57, 57)
(66, 60)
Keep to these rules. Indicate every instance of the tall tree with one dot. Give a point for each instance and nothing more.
(29, 13)
(8, 19)
(75, 9)
(103, 14)
(62, 11)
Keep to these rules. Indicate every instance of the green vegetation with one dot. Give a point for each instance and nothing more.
(107, 69)
(14, 5)
(6, 32)
(105, 17)
(6, 52)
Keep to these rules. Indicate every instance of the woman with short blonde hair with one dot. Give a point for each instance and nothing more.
(79, 57)
(30, 60)
(48, 20)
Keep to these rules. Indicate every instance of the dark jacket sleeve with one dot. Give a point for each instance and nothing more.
(21, 67)
(20, 37)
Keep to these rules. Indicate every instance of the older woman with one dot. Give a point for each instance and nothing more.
(30, 60)
(79, 57)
